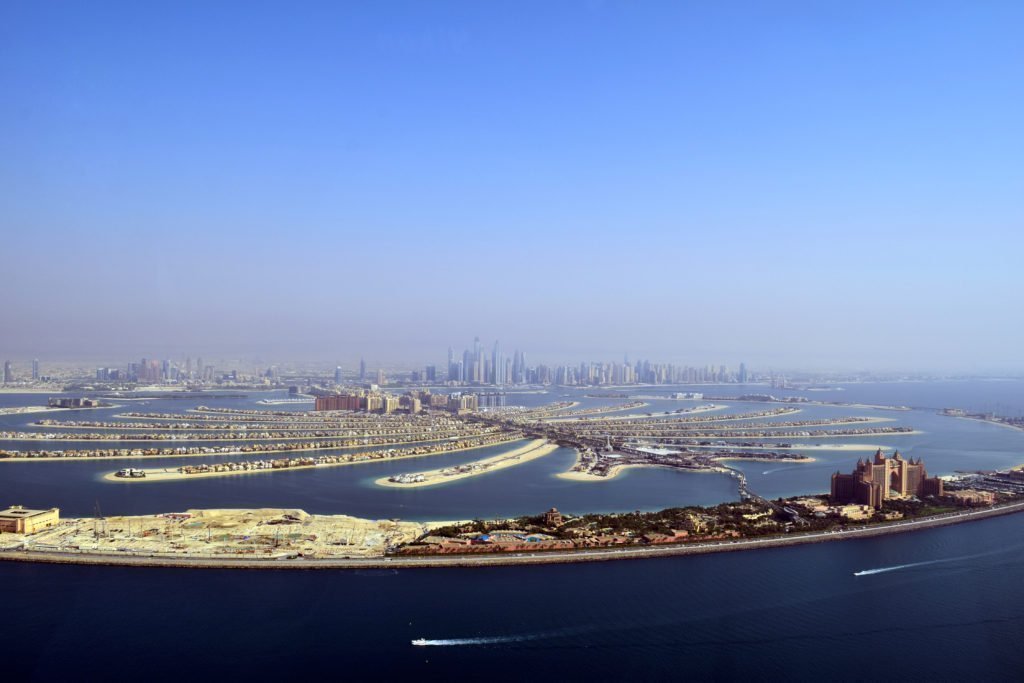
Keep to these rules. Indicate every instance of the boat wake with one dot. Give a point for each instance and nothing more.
(898, 567)
(452, 642)
(781, 469)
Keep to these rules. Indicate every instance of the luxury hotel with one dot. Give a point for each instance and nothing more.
(875, 481)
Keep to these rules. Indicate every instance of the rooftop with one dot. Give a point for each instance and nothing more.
(19, 512)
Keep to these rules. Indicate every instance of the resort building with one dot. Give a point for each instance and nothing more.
(879, 479)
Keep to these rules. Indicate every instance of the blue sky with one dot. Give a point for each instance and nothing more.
(792, 184)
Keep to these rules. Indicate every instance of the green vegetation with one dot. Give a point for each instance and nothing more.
(748, 519)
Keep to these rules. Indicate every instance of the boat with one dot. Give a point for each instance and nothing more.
(419, 642)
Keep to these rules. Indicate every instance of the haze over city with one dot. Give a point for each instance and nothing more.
(575, 341)
(823, 186)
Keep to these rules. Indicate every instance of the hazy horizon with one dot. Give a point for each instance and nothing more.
(820, 186)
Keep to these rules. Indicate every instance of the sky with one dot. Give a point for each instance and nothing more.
(791, 184)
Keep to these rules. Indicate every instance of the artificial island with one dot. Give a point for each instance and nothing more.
(346, 423)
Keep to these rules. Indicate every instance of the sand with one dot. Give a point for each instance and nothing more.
(271, 454)
(26, 410)
(615, 470)
(988, 422)
(596, 414)
(168, 474)
(797, 447)
(535, 449)
(266, 534)
(618, 469)
(819, 437)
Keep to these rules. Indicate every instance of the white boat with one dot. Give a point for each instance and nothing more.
(419, 642)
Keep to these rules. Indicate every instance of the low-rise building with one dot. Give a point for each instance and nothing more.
(855, 512)
(970, 497)
(19, 520)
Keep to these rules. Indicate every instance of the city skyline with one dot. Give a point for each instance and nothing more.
(579, 180)
(602, 339)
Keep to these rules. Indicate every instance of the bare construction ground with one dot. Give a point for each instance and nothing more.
(239, 534)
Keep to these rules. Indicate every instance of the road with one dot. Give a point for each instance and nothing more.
(502, 559)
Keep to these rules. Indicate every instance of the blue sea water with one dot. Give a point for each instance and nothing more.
(941, 604)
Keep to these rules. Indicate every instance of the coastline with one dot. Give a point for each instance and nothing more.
(814, 447)
(988, 422)
(502, 559)
(79, 458)
(32, 410)
(537, 448)
(615, 470)
(912, 432)
(179, 476)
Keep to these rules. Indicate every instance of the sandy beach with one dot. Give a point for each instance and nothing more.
(989, 422)
(168, 474)
(797, 447)
(597, 415)
(267, 453)
(537, 448)
(27, 410)
(616, 470)
(913, 432)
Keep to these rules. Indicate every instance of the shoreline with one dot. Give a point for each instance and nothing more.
(34, 410)
(538, 448)
(180, 476)
(912, 432)
(163, 442)
(507, 559)
(814, 447)
(988, 422)
(615, 470)
(79, 458)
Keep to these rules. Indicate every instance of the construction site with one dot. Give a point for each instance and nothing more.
(256, 534)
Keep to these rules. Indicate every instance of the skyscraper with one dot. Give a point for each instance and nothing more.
(497, 365)
(35, 368)
(337, 375)
(8, 373)
(362, 370)
(478, 362)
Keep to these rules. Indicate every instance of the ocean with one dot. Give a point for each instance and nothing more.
(940, 604)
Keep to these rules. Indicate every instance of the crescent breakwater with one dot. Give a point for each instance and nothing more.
(17, 551)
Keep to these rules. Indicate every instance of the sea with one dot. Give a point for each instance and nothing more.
(939, 604)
